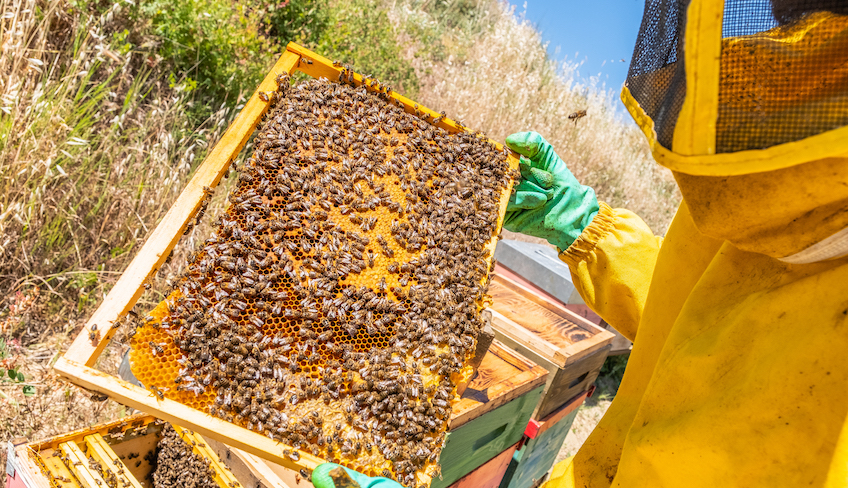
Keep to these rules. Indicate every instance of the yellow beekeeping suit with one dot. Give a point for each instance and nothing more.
(739, 371)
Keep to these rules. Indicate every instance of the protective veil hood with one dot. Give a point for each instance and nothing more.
(752, 117)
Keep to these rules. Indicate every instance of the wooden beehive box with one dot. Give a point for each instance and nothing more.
(571, 348)
(122, 448)
(77, 365)
(490, 474)
(493, 412)
(544, 438)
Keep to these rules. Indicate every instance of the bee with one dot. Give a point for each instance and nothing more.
(156, 391)
(98, 397)
(94, 335)
(264, 96)
(577, 116)
(156, 348)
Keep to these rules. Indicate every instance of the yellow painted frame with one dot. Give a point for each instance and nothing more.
(76, 365)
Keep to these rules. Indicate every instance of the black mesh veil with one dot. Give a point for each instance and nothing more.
(656, 78)
(771, 95)
(770, 91)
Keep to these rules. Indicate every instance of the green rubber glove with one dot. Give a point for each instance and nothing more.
(323, 475)
(548, 202)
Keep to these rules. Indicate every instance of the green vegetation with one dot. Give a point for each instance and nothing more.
(9, 373)
(364, 38)
(611, 375)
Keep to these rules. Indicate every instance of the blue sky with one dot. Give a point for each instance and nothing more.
(598, 33)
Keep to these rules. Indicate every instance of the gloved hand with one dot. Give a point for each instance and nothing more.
(324, 475)
(548, 202)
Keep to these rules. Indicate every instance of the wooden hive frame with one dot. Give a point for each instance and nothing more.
(77, 364)
(41, 468)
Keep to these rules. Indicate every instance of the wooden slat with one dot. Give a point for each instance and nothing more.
(250, 469)
(140, 466)
(158, 246)
(28, 465)
(522, 335)
(136, 420)
(543, 320)
(78, 464)
(223, 476)
(560, 335)
(99, 449)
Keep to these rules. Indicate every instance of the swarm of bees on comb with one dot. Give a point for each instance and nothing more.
(337, 302)
(177, 466)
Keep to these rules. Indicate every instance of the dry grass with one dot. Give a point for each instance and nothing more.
(503, 83)
(93, 150)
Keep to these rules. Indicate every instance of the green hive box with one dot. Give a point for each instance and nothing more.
(492, 414)
(531, 463)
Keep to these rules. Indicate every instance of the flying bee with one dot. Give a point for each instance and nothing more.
(577, 116)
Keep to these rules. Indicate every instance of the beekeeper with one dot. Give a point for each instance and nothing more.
(739, 315)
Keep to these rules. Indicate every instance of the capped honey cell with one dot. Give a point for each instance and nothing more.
(337, 301)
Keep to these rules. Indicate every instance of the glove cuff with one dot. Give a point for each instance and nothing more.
(602, 224)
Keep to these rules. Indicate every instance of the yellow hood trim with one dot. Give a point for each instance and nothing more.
(833, 143)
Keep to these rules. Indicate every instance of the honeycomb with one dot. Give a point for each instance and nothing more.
(337, 302)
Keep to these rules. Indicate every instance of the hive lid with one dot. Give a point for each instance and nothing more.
(545, 327)
(540, 265)
(502, 376)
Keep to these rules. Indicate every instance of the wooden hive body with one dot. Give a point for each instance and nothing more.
(571, 348)
(118, 453)
(530, 465)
